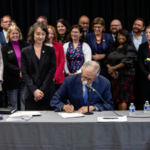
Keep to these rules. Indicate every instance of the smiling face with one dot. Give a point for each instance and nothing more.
(61, 28)
(138, 26)
(121, 38)
(50, 34)
(84, 22)
(75, 34)
(14, 35)
(98, 28)
(115, 26)
(39, 36)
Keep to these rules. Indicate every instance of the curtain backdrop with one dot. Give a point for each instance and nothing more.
(25, 12)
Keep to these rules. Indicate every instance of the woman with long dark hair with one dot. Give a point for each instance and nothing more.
(62, 29)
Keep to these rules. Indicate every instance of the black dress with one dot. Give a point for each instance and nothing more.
(122, 87)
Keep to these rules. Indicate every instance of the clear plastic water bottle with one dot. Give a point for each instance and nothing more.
(146, 107)
(131, 109)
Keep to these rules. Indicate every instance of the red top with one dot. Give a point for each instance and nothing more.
(148, 48)
(60, 62)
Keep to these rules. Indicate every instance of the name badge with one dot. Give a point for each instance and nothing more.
(11, 51)
(148, 59)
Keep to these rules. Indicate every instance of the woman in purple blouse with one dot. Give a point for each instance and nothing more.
(13, 81)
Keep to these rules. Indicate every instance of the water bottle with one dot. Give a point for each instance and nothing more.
(131, 109)
(146, 107)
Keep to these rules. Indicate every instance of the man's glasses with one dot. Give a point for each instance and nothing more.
(115, 25)
(88, 79)
(6, 21)
(86, 23)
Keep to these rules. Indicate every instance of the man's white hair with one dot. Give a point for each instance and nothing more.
(92, 66)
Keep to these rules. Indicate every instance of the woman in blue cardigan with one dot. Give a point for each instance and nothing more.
(100, 43)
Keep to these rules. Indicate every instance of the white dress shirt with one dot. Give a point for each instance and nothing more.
(136, 41)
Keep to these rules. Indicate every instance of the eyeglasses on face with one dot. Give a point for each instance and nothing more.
(88, 79)
(6, 21)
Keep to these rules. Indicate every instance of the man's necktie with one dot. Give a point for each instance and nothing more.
(85, 97)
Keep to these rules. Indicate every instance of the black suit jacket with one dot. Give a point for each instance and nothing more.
(38, 75)
(143, 53)
(11, 68)
(2, 38)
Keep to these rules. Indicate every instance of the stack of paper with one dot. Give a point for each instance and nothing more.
(33, 113)
(70, 115)
(112, 119)
(19, 117)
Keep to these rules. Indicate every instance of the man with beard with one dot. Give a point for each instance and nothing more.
(137, 36)
(115, 26)
(84, 21)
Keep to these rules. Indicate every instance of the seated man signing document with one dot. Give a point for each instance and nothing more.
(74, 92)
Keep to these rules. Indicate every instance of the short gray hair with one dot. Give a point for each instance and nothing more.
(93, 66)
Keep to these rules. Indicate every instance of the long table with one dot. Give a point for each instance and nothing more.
(52, 132)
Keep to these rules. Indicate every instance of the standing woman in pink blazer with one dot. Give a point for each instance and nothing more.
(60, 57)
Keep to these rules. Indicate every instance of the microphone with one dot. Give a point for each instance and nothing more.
(88, 86)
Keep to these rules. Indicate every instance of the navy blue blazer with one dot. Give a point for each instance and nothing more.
(71, 90)
(2, 38)
(106, 42)
(144, 39)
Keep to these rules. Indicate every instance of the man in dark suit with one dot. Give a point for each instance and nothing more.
(5, 24)
(84, 21)
(73, 90)
(115, 26)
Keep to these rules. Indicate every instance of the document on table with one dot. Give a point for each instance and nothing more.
(33, 113)
(70, 115)
(19, 118)
(112, 119)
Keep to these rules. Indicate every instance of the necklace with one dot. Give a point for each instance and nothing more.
(99, 41)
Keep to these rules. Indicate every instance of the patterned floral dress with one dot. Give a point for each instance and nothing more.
(75, 57)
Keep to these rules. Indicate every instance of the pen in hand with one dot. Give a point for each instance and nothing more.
(71, 107)
(69, 103)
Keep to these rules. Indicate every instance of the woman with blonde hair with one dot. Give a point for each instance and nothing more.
(12, 67)
(60, 57)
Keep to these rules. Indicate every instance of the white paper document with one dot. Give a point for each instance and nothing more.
(19, 118)
(33, 113)
(112, 119)
(70, 115)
